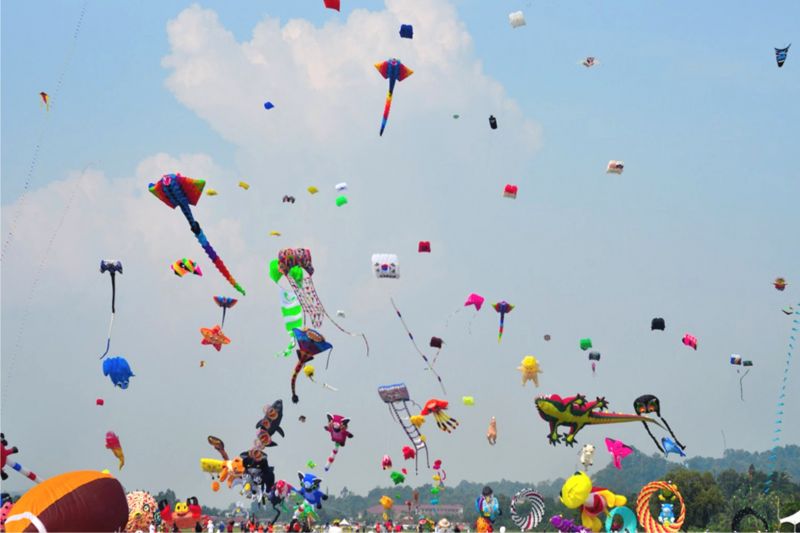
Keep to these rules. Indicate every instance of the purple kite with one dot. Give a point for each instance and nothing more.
(502, 308)
(392, 70)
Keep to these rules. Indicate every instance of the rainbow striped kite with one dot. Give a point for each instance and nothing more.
(393, 70)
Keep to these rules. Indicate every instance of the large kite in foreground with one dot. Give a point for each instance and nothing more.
(394, 71)
(180, 191)
(575, 412)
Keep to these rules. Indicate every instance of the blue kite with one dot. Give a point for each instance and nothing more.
(118, 369)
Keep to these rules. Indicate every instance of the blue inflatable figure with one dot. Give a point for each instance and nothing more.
(666, 516)
(118, 369)
(309, 489)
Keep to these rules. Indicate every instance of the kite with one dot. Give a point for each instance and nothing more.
(690, 341)
(788, 310)
(397, 477)
(211, 192)
(292, 313)
(414, 343)
(341, 200)
(594, 357)
(5, 452)
(648, 403)
(386, 266)
(744, 512)
(586, 457)
(510, 191)
(529, 367)
(565, 524)
(214, 336)
(575, 412)
(503, 308)
(488, 508)
(468, 400)
(386, 503)
(142, 508)
(312, 190)
(184, 266)
(396, 397)
(657, 324)
(780, 55)
(269, 425)
(578, 493)
(615, 167)
(736, 360)
(534, 516)
(491, 433)
(288, 199)
(437, 343)
(275, 233)
(619, 450)
(585, 344)
(311, 464)
(394, 71)
(424, 247)
(309, 489)
(437, 408)
(670, 446)
(492, 122)
(475, 300)
(225, 303)
(112, 443)
(386, 462)
(46, 97)
(180, 191)
(118, 370)
(268, 105)
(516, 19)
(244, 185)
(779, 284)
(337, 427)
(340, 187)
(291, 264)
(332, 4)
(309, 344)
(628, 517)
(589, 62)
(100, 402)
(643, 509)
(112, 267)
(406, 31)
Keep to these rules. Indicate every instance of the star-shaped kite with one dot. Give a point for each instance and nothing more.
(214, 336)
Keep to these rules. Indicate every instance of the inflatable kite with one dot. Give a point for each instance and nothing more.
(424, 247)
(269, 425)
(647, 403)
(337, 427)
(414, 343)
(396, 396)
(503, 308)
(510, 191)
(142, 510)
(180, 191)
(437, 408)
(780, 55)
(534, 516)
(741, 514)
(211, 192)
(619, 450)
(394, 71)
(566, 525)
(670, 446)
(530, 369)
(585, 344)
(406, 31)
(650, 524)
(657, 324)
(780, 284)
(214, 336)
(690, 341)
(491, 433)
(5, 452)
(575, 412)
(578, 493)
(118, 370)
(309, 489)
(615, 167)
(492, 122)
(113, 267)
(74, 501)
(113, 444)
(310, 343)
(386, 266)
(629, 522)
(184, 266)
(516, 19)
(586, 456)
(488, 509)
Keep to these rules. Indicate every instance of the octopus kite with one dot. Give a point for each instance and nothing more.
(437, 408)
(575, 412)
(337, 427)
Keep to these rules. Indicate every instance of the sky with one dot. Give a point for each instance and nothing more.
(695, 230)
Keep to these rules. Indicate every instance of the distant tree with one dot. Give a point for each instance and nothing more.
(702, 495)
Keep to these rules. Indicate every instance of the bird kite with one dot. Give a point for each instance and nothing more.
(112, 267)
(46, 97)
(503, 308)
(618, 450)
(113, 444)
(394, 71)
(181, 191)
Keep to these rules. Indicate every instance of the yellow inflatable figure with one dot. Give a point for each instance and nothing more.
(578, 493)
(530, 370)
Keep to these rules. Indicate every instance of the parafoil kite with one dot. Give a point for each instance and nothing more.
(341, 200)
(386, 462)
(396, 397)
(74, 501)
(332, 4)
(5, 452)
(113, 267)
(503, 308)
(510, 191)
(575, 412)
(406, 31)
(386, 266)
(437, 408)
(619, 450)
(646, 519)
(180, 191)
(690, 341)
(578, 493)
(337, 427)
(118, 370)
(424, 247)
(46, 97)
(594, 357)
(737, 361)
(516, 19)
(339, 187)
(184, 266)
(312, 190)
(657, 324)
(779, 284)
(414, 343)
(113, 444)
(615, 167)
(780, 55)
(647, 403)
(530, 369)
(394, 71)
(536, 513)
(492, 122)
(468, 400)
(585, 344)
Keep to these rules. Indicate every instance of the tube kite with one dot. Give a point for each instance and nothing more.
(394, 71)
(112, 267)
(180, 191)
(184, 266)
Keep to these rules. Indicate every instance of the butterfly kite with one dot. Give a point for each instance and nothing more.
(394, 71)
(180, 191)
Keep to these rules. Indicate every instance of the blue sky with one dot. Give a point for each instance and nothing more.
(695, 229)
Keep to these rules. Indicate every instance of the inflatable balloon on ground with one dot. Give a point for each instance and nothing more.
(142, 509)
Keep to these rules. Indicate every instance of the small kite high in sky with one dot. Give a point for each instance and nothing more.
(780, 55)
(394, 71)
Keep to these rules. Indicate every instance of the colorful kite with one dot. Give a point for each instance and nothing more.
(214, 336)
(394, 71)
(386, 266)
(503, 308)
(647, 403)
(578, 493)
(118, 370)
(5, 452)
(184, 266)
(536, 513)
(268, 105)
(437, 408)
(615, 167)
(180, 191)
(491, 433)
(112, 267)
(690, 341)
(337, 427)
(575, 412)
(646, 519)
(619, 450)
(292, 313)
(225, 303)
(780, 284)
(112, 443)
(510, 191)
(414, 343)
(780, 55)
(310, 343)
(670, 446)
(46, 97)
(529, 367)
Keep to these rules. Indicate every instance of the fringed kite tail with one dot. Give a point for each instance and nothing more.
(332, 456)
(673, 435)
(203, 240)
(386, 109)
(297, 368)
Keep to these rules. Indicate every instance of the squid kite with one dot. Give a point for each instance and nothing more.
(180, 191)
(112, 267)
(394, 71)
(437, 408)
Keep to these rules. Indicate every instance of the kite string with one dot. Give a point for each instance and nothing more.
(35, 159)
(673, 434)
(741, 385)
(410, 336)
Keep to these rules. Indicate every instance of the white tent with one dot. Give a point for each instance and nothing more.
(793, 519)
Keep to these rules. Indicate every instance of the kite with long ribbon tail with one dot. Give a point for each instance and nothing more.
(225, 303)
(410, 336)
(394, 71)
(309, 343)
(112, 267)
(180, 191)
(503, 308)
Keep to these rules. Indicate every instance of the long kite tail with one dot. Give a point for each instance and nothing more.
(332, 456)
(340, 328)
(683, 447)
(297, 368)
(654, 437)
(741, 385)
(410, 336)
(386, 109)
(113, 311)
(502, 325)
(203, 240)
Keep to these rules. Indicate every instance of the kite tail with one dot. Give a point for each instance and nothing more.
(223, 317)
(108, 341)
(741, 385)
(113, 294)
(332, 456)
(500, 333)
(203, 240)
(413, 342)
(22, 470)
(386, 109)
(340, 328)
(297, 368)
(683, 447)
(654, 437)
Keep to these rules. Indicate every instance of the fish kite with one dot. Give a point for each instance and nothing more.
(46, 97)
(780, 56)
(184, 266)
(618, 450)
(181, 191)
(670, 446)
(394, 71)
(112, 267)
(112, 443)
(503, 308)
